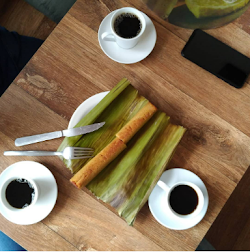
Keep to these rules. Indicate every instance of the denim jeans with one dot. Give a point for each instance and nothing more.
(15, 52)
(7, 244)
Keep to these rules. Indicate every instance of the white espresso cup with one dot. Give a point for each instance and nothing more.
(112, 35)
(183, 201)
(8, 202)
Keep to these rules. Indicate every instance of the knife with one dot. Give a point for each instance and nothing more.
(56, 134)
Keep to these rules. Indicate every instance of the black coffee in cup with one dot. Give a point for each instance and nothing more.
(183, 199)
(127, 25)
(19, 193)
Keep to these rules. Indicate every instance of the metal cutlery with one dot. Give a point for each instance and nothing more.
(67, 153)
(56, 134)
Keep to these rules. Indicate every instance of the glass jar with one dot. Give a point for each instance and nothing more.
(202, 14)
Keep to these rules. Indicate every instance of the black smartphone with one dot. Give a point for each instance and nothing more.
(217, 58)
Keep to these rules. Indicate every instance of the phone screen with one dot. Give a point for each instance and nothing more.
(217, 58)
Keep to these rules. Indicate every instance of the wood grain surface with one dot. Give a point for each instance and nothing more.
(70, 67)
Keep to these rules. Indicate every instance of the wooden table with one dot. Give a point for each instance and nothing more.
(70, 67)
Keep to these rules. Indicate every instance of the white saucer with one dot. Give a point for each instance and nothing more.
(47, 194)
(85, 107)
(157, 200)
(128, 56)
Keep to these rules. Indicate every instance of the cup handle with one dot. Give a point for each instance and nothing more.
(163, 186)
(108, 37)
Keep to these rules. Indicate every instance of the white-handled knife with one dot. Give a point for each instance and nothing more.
(56, 134)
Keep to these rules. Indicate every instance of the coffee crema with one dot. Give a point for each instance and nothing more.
(127, 25)
(20, 193)
(183, 199)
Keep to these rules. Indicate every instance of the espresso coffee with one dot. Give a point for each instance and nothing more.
(19, 193)
(183, 199)
(127, 25)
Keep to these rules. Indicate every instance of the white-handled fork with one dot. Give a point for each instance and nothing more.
(67, 153)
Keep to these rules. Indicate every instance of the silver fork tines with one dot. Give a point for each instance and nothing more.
(77, 152)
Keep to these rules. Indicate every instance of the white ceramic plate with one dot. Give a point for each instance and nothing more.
(157, 200)
(47, 195)
(128, 56)
(85, 108)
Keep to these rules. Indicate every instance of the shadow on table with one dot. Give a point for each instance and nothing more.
(205, 245)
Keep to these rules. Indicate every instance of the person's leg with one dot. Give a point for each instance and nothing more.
(28, 47)
(7, 244)
(15, 52)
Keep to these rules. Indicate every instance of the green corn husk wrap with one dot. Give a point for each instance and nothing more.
(116, 109)
(127, 181)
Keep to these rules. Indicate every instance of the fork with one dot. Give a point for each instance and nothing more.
(67, 153)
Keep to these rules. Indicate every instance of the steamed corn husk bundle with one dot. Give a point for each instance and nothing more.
(127, 182)
(125, 178)
(113, 149)
(116, 109)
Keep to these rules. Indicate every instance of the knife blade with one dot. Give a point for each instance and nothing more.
(56, 134)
